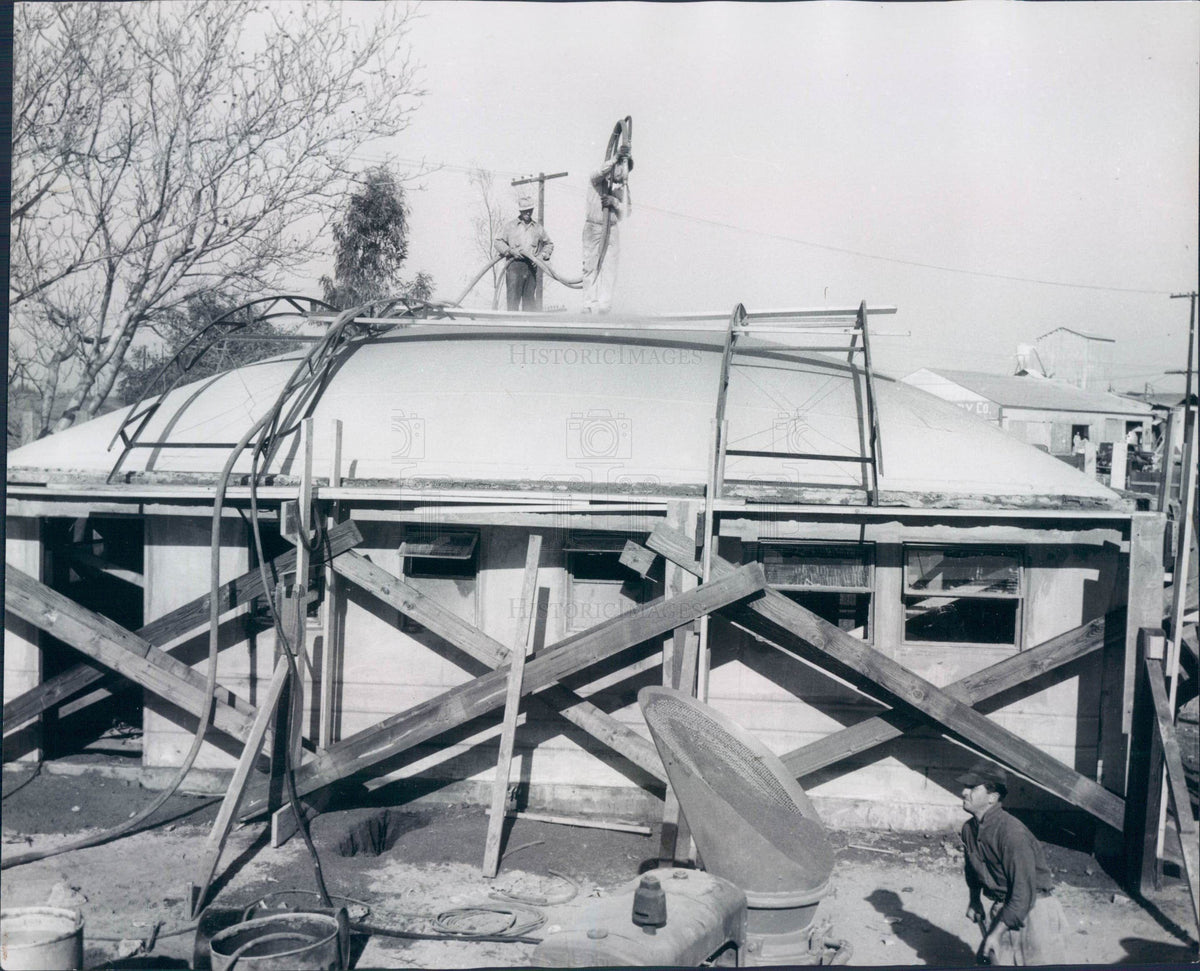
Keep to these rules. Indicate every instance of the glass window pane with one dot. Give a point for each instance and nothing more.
(817, 566)
(848, 611)
(960, 619)
(965, 571)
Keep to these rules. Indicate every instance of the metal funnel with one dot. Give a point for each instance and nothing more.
(753, 824)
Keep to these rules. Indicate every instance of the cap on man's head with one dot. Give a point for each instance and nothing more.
(525, 202)
(982, 772)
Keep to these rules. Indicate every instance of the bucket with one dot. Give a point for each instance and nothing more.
(41, 939)
(281, 942)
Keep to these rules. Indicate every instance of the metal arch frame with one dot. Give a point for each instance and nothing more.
(226, 324)
(311, 374)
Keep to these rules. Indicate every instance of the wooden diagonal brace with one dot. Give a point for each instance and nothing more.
(971, 690)
(792, 627)
(117, 648)
(169, 627)
(1176, 782)
(207, 865)
(486, 693)
(471, 640)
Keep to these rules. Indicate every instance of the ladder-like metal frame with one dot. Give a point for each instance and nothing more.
(739, 323)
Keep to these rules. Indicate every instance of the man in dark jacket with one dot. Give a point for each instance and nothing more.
(1006, 863)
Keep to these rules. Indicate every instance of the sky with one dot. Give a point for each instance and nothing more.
(994, 170)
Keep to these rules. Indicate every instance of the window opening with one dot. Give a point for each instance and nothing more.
(967, 595)
(834, 581)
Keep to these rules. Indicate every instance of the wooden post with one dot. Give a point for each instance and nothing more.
(294, 615)
(1145, 773)
(522, 644)
(1144, 609)
(331, 644)
(1176, 782)
(679, 671)
(237, 787)
(1167, 472)
(1116, 471)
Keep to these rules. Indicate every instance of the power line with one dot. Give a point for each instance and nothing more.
(862, 254)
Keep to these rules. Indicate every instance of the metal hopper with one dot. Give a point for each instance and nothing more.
(753, 824)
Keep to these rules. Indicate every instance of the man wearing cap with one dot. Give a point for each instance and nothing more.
(523, 240)
(1006, 863)
(607, 205)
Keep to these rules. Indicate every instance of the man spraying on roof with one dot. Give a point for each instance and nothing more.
(607, 205)
(1005, 862)
(524, 241)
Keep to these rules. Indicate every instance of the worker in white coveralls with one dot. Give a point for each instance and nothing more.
(1004, 862)
(523, 240)
(607, 205)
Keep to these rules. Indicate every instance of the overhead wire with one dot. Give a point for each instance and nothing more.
(848, 251)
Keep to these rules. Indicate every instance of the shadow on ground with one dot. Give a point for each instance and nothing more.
(933, 946)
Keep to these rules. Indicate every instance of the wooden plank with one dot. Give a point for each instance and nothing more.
(460, 704)
(679, 671)
(83, 558)
(289, 717)
(411, 602)
(582, 821)
(526, 629)
(331, 645)
(787, 624)
(117, 648)
(237, 787)
(971, 690)
(434, 617)
(1139, 861)
(1176, 783)
(169, 627)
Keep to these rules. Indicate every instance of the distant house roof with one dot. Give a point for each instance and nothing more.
(1078, 333)
(1035, 391)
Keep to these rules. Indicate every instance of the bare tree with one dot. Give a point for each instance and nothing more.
(162, 151)
(487, 223)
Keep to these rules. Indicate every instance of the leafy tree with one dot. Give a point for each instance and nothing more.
(372, 243)
(163, 151)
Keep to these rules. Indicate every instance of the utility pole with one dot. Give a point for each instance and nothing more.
(540, 179)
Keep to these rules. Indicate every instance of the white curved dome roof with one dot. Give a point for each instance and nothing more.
(635, 410)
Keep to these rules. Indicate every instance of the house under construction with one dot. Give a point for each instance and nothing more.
(873, 583)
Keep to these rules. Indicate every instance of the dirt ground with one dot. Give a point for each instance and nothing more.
(898, 899)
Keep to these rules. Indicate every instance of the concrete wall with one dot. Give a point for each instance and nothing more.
(905, 784)
(22, 656)
(176, 568)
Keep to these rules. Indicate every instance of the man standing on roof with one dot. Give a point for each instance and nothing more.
(607, 205)
(1005, 862)
(523, 240)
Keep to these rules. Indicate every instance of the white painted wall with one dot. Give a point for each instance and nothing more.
(906, 784)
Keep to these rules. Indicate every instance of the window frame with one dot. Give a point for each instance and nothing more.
(1021, 555)
(407, 624)
(761, 547)
(606, 544)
